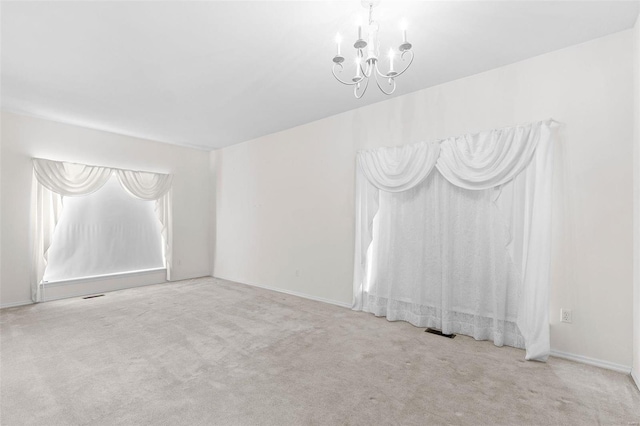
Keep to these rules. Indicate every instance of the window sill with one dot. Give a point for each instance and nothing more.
(94, 278)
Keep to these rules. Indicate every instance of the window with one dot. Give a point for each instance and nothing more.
(106, 232)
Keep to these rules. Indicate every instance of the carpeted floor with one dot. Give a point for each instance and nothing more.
(211, 352)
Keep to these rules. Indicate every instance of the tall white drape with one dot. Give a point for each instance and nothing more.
(54, 180)
(153, 186)
(464, 248)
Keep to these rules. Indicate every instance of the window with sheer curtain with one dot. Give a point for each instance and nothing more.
(106, 232)
(455, 235)
(95, 220)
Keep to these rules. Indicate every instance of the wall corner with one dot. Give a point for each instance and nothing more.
(635, 371)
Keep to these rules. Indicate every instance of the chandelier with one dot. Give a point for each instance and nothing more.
(367, 66)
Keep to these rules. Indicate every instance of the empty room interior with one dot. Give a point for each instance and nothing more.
(320, 212)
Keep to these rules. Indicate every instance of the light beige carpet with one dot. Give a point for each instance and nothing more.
(211, 352)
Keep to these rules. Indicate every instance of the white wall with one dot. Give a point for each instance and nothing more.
(285, 201)
(25, 137)
(636, 213)
(1, 212)
(213, 175)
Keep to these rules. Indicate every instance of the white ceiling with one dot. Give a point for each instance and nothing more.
(211, 74)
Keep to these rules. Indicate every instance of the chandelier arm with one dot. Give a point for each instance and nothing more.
(366, 72)
(382, 75)
(408, 65)
(355, 89)
(392, 83)
(346, 83)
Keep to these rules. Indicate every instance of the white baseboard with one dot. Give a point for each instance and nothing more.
(14, 304)
(96, 285)
(592, 361)
(635, 375)
(293, 293)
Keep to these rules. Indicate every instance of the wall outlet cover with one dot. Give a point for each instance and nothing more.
(565, 315)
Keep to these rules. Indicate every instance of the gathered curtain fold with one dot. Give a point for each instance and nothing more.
(399, 168)
(489, 159)
(69, 179)
(518, 159)
(143, 185)
(54, 180)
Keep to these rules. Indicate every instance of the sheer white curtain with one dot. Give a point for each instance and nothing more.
(54, 180)
(153, 186)
(464, 248)
(106, 232)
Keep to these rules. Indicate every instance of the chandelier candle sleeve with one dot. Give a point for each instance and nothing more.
(403, 27)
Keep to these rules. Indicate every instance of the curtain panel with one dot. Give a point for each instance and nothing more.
(54, 180)
(456, 235)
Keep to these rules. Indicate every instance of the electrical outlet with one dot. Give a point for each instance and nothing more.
(565, 315)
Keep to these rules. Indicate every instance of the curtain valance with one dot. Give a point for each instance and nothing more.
(517, 161)
(399, 168)
(489, 159)
(474, 161)
(145, 186)
(54, 180)
(70, 179)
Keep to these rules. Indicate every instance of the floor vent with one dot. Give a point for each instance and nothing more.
(91, 297)
(439, 333)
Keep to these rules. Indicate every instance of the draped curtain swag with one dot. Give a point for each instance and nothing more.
(500, 177)
(55, 180)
